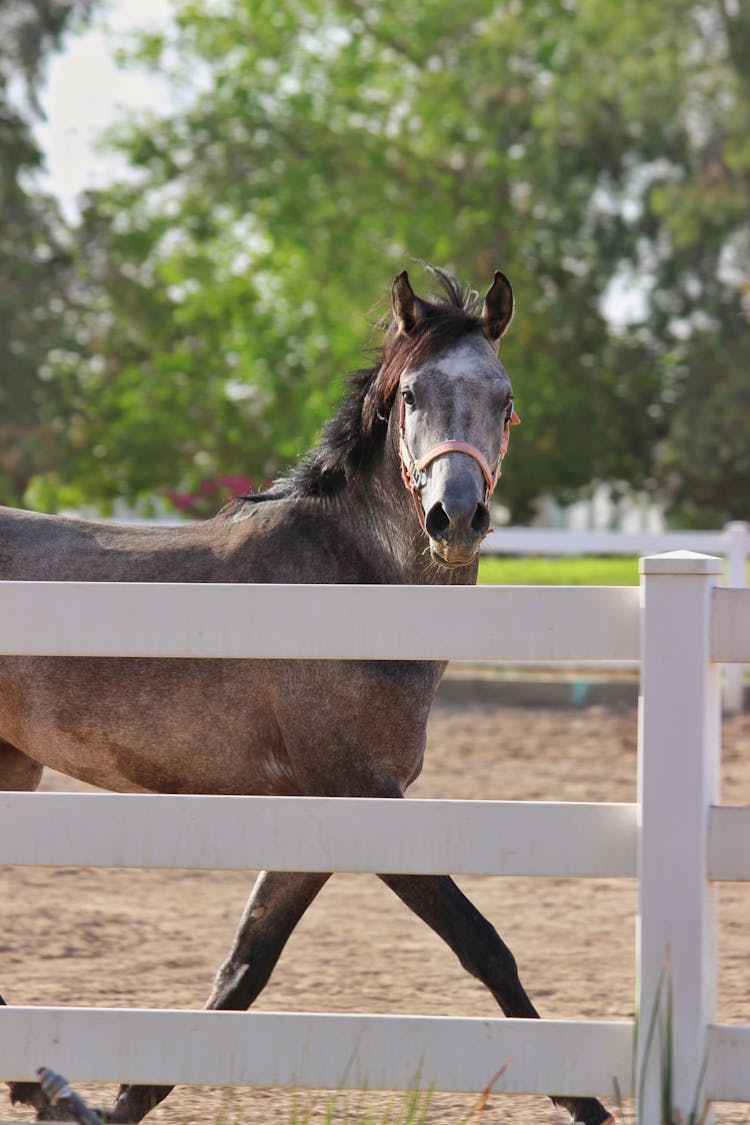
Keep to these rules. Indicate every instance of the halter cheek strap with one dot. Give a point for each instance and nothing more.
(412, 471)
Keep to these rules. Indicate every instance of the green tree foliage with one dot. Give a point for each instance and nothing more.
(671, 109)
(35, 264)
(327, 142)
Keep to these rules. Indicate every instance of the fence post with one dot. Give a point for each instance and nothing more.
(737, 535)
(679, 752)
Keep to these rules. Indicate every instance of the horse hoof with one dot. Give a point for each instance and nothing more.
(589, 1120)
(28, 1093)
(32, 1094)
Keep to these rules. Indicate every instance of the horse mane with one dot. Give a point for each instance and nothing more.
(350, 439)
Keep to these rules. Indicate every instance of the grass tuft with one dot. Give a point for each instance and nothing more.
(661, 1023)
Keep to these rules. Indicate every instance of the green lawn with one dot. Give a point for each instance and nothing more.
(588, 570)
(584, 570)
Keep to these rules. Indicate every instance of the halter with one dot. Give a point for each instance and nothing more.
(413, 471)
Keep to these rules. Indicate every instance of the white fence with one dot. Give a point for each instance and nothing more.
(677, 838)
(732, 541)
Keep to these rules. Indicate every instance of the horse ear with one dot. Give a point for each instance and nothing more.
(407, 307)
(498, 308)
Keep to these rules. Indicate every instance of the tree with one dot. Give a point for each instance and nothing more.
(671, 113)
(329, 141)
(35, 262)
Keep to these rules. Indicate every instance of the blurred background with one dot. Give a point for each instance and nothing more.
(203, 204)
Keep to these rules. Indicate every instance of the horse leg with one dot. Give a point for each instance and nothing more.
(439, 902)
(278, 901)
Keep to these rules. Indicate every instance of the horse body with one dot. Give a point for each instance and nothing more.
(285, 728)
(199, 726)
(432, 414)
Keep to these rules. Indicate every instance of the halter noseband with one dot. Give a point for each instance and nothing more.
(413, 471)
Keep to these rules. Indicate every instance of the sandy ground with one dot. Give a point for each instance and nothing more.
(154, 939)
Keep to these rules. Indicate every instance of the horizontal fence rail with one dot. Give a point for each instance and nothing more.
(563, 541)
(728, 1064)
(314, 1050)
(730, 627)
(729, 843)
(733, 541)
(311, 1050)
(426, 837)
(522, 623)
(319, 834)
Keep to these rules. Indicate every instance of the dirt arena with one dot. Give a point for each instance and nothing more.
(154, 939)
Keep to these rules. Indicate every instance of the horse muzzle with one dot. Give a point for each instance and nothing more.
(456, 529)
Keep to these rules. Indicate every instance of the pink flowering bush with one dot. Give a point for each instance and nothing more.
(211, 495)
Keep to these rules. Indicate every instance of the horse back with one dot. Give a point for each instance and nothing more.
(36, 547)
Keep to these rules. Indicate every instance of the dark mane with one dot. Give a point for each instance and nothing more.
(357, 431)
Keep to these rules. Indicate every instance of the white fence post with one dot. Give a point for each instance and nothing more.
(679, 751)
(737, 550)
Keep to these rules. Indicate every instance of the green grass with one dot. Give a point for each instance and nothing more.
(588, 570)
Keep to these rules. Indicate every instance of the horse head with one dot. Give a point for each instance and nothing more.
(454, 406)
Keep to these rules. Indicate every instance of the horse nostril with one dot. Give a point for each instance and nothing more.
(437, 522)
(480, 523)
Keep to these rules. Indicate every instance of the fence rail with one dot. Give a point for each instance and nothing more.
(678, 839)
(356, 834)
(519, 623)
(315, 1050)
(427, 837)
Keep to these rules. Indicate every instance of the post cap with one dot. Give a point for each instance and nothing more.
(681, 562)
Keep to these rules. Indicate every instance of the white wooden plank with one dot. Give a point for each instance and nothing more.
(730, 626)
(519, 623)
(729, 843)
(728, 1072)
(566, 541)
(310, 1050)
(318, 834)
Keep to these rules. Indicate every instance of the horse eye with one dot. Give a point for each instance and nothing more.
(408, 397)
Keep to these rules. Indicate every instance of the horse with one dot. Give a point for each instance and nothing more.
(397, 490)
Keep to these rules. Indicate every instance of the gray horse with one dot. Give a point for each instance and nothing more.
(397, 491)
